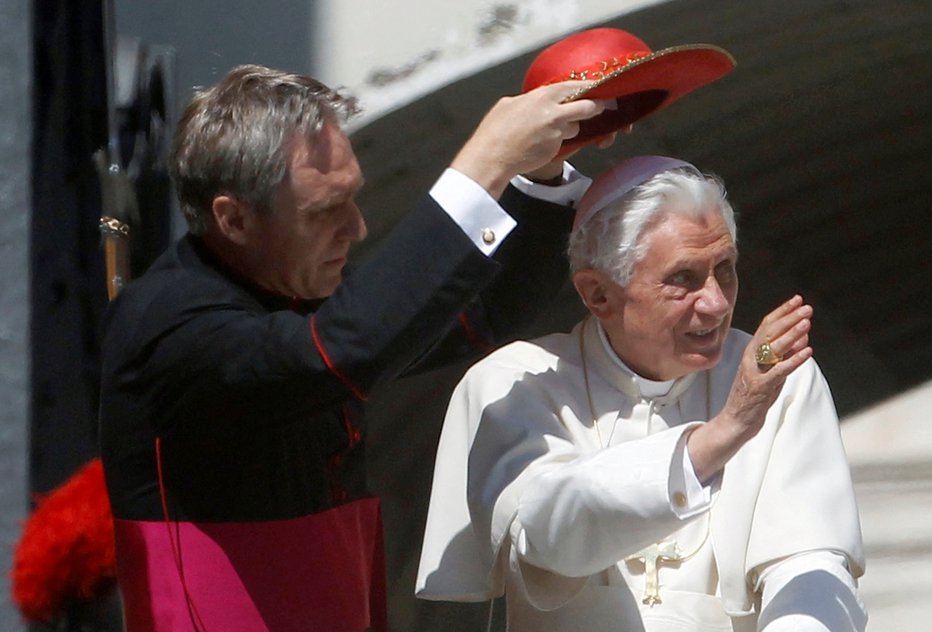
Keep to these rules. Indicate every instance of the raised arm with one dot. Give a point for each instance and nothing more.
(523, 134)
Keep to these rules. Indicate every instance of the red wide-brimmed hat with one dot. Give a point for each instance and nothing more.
(623, 68)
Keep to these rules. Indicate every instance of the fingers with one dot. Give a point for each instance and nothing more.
(793, 340)
(569, 130)
(782, 311)
(522, 134)
(575, 110)
(785, 325)
(786, 331)
(604, 142)
(582, 109)
(789, 361)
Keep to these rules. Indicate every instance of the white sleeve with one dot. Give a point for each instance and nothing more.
(565, 194)
(607, 505)
(479, 214)
(581, 516)
(810, 592)
(473, 209)
(696, 496)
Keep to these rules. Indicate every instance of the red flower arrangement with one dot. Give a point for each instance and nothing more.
(66, 554)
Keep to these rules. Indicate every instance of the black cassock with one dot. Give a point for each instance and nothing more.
(232, 427)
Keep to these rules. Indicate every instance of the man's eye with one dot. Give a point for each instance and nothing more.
(725, 273)
(683, 279)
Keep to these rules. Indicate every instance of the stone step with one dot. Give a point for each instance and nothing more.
(890, 451)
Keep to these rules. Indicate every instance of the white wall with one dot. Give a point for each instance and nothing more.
(390, 52)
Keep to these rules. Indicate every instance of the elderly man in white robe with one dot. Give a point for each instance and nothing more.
(653, 470)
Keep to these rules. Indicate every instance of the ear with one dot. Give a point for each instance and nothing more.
(232, 218)
(592, 287)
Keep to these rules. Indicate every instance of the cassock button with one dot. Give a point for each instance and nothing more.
(488, 236)
(679, 499)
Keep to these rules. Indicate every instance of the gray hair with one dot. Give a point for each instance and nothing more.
(232, 138)
(611, 240)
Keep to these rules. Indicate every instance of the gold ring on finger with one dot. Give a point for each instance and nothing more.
(764, 355)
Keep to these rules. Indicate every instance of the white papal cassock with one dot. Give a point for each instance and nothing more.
(532, 498)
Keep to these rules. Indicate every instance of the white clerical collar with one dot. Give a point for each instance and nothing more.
(649, 388)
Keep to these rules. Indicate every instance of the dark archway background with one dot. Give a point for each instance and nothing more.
(822, 136)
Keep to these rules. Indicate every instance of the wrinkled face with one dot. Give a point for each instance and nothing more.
(673, 317)
(304, 242)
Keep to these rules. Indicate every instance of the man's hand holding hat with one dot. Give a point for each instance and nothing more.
(522, 134)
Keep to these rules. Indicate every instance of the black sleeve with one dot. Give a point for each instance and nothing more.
(534, 264)
(533, 269)
(201, 354)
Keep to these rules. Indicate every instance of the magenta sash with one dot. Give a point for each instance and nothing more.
(320, 572)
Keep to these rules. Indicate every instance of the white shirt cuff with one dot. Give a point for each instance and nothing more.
(688, 496)
(566, 194)
(473, 209)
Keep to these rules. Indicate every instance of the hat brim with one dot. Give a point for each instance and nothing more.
(648, 85)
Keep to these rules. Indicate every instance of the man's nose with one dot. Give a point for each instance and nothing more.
(355, 228)
(712, 299)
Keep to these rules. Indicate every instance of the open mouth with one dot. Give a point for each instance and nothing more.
(705, 340)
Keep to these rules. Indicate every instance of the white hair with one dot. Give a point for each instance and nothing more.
(611, 240)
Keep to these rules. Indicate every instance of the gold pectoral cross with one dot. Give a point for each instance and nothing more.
(651, 557)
